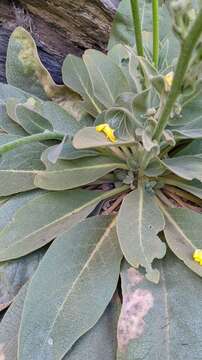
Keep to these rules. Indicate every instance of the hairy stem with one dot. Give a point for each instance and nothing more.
(186, 51)
(137, 27)
(30, 139)
(182, 65)
(155, 12)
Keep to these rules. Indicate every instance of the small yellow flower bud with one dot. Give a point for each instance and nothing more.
(168, 80)
(107, 130)
(197, 256)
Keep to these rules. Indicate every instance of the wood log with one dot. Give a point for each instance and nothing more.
(59, 27)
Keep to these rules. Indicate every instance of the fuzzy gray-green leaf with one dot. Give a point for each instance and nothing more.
(164, 321)
(18, 166)
(95, 139)
(9, 327)
(8, 125)
(183, 235)
(14, 274)
(31, 122)
(24, 68)
(188, 167)
(75, 75)
(71, 174)
(107, 78)
(86, 262)
(139, 222)
(51, 113)
(15, 181)
(100, 343)
(42, 218)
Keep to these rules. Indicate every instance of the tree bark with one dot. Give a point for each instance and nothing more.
(59, 27)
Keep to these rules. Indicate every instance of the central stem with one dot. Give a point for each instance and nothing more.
(155, 12)
(137, 27)
(182, 65)
(185, 55)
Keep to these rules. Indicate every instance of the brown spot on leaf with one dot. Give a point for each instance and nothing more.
(136, 304)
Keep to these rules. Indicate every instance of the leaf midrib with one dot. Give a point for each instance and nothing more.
(102, 76)
(174, 223)
(86, 265)
(85, 88)
(167, 327)
(140, 221)
(82, 168)
(75, 211)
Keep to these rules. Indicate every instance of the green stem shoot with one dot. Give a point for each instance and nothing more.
(155, 12)
(30, 139)
(182, 65)
(185, 55)
(137, 27)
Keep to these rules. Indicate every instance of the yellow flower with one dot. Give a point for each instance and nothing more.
(197, 256)
(168, 80)
(107, 130)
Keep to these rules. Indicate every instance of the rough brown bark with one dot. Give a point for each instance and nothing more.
(58, 26)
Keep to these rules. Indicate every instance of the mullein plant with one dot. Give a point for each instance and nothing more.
(101, 193)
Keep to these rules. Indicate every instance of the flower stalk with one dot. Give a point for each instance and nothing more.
(155, 12)
(185, 55)
(137, 27)
(183, 62)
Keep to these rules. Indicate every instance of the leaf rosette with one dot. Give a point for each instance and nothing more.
(99, 179)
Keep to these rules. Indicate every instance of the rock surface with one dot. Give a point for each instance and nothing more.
(59, 27)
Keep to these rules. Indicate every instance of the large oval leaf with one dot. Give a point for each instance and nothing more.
(42, 218)
(193, 148)
(107, 78)
(188, 167)
(164, 321)
(31, 123)
(192, 130)
(8, 210)
(183, 235)
(100, 343)
(86, 262)
(9, 327)
(15, 181)
(69, 152)
(9, 91)
(71, 174)
(46, 113)
(8, 125)
(24, 68)
(14, 274)
(17, 167)
(139, 222)
(75, 75)
(88, 137)
(25, 157)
